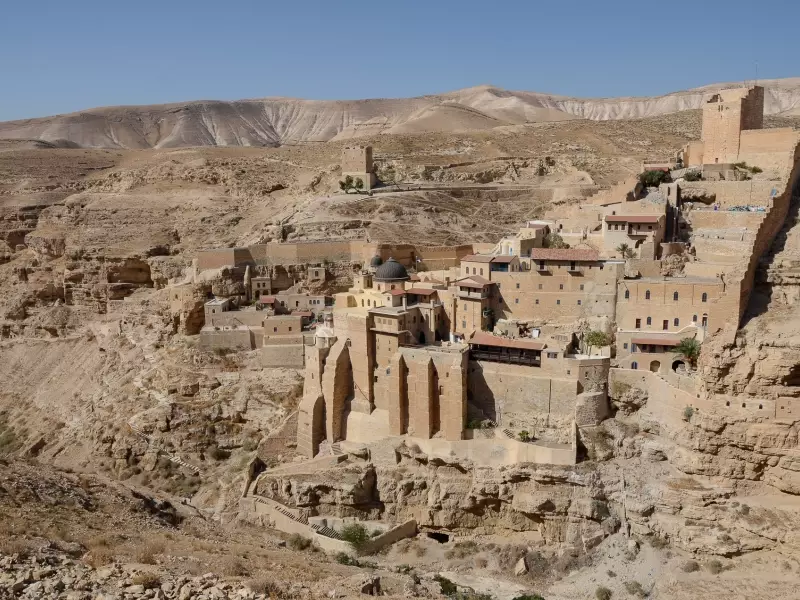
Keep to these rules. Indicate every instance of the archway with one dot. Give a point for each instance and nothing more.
(655, 366)
(678, 364)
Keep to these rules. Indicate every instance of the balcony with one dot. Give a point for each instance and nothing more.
(503, 357)
(473, 294)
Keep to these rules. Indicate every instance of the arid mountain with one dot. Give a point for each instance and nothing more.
(287, 121)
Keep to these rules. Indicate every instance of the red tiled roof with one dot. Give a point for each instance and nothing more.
(655, 341)
(632, 218)
(564, 254)
(397, 292)
(420, 291)
(267, 300)
(487, 339)
(474, 281)
(503, 259)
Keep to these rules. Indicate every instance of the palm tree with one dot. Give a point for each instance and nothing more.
(689, 348)
(625, 251)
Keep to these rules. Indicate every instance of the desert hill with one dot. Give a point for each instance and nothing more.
(287, 121)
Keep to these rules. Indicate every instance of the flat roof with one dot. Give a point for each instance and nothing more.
(482, 338)
(655, 341)
(582, 254)
(478, 258)
(302, 313)
(216, 301)
(633, 218)
(472, 284)
(421, 291)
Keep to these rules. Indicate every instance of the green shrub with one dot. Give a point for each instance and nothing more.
(692, 176)
(524, 436)
(654, 178)
(356, 535)
(687, 413)
(602, 593)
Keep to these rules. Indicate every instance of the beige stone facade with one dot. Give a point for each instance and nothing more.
(357, 163)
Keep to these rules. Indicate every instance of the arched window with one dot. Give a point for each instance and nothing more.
(634, 365)
(649, 321)
(704, 298)
(676, 321)
(675, 296)
(647, 295)
(627, 294)
(694, 318)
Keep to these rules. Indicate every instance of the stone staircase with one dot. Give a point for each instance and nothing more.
(625, 190)
(320, 529)
(336, 449)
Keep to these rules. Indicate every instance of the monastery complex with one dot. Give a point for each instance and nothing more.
(488, 351)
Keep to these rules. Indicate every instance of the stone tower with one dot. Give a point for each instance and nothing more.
(725, 115)
(357, 163)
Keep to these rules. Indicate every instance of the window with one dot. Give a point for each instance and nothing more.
(558, 301)
(290, 328)
(675, 296)
(694, 318)
(537, 301)
(581, 287)
(634, 348)
(579, 302)
(627, 294)
(568, 372)
(647, 295)
(676, 322)
(481, 271)
(517, 286)
(625, 346)
(561, 286)
(665, 324)
(704, 297)
(464, 324)
(465, 307)
(516, 300)
(552, 355)
(274, 330)
(474, 271)
(540, 286)
(638, 323)
(649, 321)
(634, 365)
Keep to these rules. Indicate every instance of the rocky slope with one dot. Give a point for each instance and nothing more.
(287, 121)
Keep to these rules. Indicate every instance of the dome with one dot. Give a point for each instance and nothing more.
(391, 270)
(376, 261)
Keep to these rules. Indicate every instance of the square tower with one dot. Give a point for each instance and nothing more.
(725, 115)
(357, 163)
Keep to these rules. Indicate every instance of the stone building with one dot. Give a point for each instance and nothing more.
(357, 163)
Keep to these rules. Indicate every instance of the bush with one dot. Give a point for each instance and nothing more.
(658, 542)
(692, 176)
(149, 581)
(687, 413)
(654, 178)
(714, 567)
(218, 453)
(690, 566)
(447, 587)
(268, 587)
(146, 553)
(298, 542)
(602, 593)
(524, 436)
(634, 588)
(356, 535)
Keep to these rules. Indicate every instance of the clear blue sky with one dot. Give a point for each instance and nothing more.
(62, 56)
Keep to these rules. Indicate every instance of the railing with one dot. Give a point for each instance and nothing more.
(505, 358)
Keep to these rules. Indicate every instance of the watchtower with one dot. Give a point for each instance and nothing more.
(357, 163)
(725, 115)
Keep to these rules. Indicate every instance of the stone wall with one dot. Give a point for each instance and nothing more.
(234, 338)
(284, 355)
